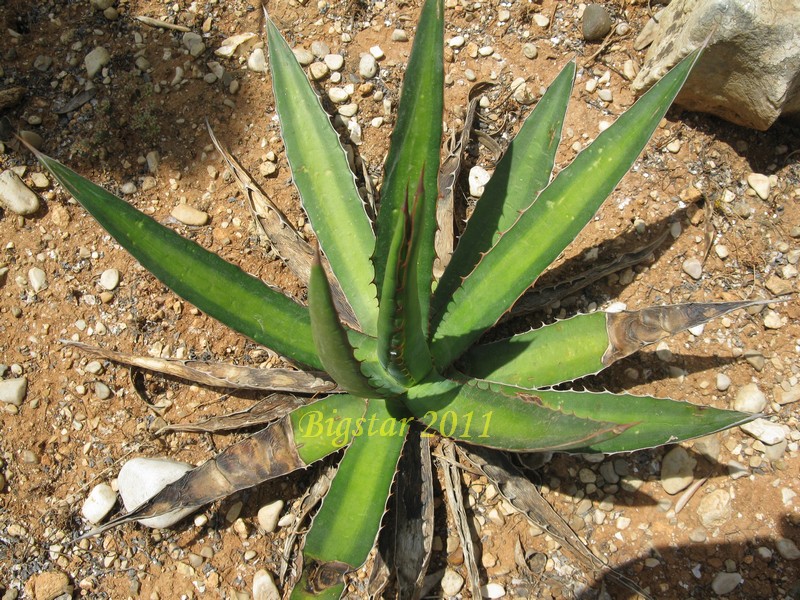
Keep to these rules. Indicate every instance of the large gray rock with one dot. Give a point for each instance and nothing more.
(749, 73)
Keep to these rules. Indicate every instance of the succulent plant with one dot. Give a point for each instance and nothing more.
(397, 309)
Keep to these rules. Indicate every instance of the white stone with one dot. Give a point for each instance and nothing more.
(541, 20)
(367, 66)
(12, 391)
(231, 44)
(456, 41)
(193, 42)
(269, 514)
(605, 95)
(376, 52)
(399, 35)
(264, 587)
(478, 178)
(189, 215)
(334, 61)
(787, 549)
(338, 95)
(693, 268)
(303, 56)
(98, 503)
(714, 509)
(109, 279)
(725, 583)
(257, 61)
(722, 251)
(37, 278)
(749, 70)
(493, 590)
(772, 320)
(677, 470)
(723, 382)
(318, 70)
(15, 195)
(96, 60)
(452, 582)
(765, 431)
(760, 184)
(142, 478)
(750, 399)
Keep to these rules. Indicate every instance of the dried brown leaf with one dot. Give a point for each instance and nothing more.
(221, 374)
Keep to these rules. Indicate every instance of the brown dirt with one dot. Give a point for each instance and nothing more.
(63, 439)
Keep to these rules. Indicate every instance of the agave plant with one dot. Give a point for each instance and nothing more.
(389, 340)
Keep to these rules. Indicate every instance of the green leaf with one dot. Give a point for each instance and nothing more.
(655, 421)
(218, 288)
(414, 148)
(402, 332)
(330, 336)
(519, 176)
(551, 354)
(326, 184)
(345, 528)
(585, 344)
(542, 231)
(326, 425)
(502, 417)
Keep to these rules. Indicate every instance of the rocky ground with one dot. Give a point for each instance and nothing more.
(125, 102)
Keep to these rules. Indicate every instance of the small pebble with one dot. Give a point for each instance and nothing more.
(269, 514)
(128, 188)
(320, 49)
(714, 509)
(760, 184)
(772, 320)
(478, 178)
(399, 35)
(674, 146)
(725, 583)
(367, 66)
(109, 279)
(629, 70)
(787, 549)
(257, 61)
(264, 587)
(605, 95)
(765, 431)
(750, 399)
(189, 215)
(677, 470)
(99, 503)
(530, 51)
(303, 56)
(338, 95)
(47, 585)
(12, 391)
(456, 41)
(16, 196)
(102, 391)
(452, 582)
(693, 268)
(37, 278)
(722, 251)
(493, 590)
(723, 382)
(541, 20)
(333, 61)
(737, 470)
(596, 23)
(193, 42)
(96, 60)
